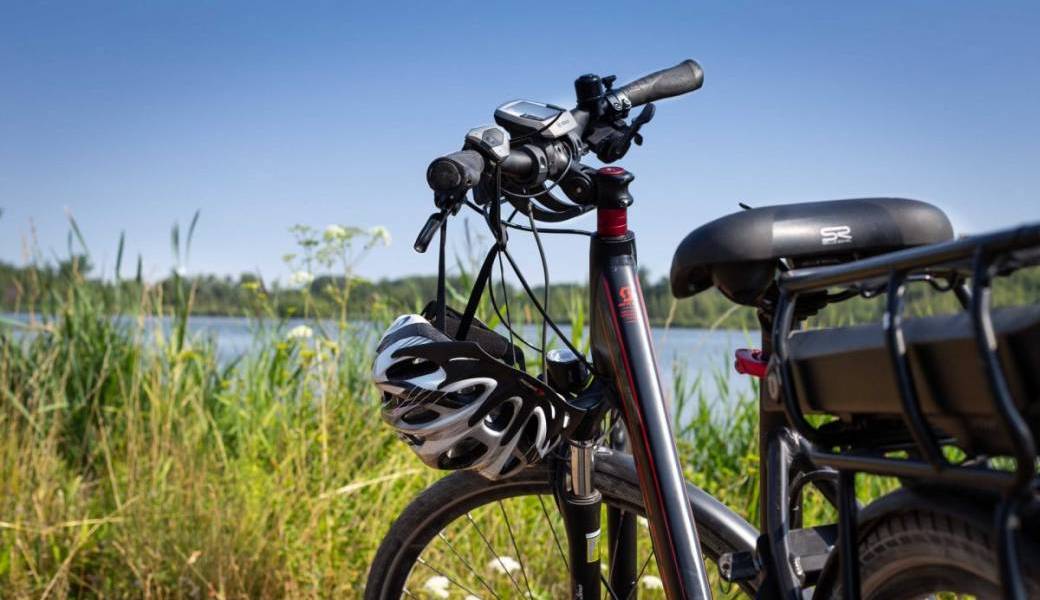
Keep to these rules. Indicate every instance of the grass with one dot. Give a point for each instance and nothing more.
(134, 464)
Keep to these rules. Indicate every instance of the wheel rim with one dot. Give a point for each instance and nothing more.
(507, 541)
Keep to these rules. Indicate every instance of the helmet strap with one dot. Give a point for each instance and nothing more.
(484, 276)
(476, 293)
(442, 311)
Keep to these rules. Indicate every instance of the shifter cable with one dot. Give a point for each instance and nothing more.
(545, 289)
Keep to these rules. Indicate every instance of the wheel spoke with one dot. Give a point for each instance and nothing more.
(467, 545)
(468, 565)
(450, 579)
(519, 557)
(606, 584)
(556, 538)
(617, 541)
(639, 576)
(495, 553)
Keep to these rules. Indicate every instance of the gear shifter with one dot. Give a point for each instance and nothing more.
(616, 143)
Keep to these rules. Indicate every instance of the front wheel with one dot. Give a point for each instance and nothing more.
(467, 537)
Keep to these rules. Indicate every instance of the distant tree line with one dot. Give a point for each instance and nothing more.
(33, 289)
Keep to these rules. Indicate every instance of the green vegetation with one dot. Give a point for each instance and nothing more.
(134, 464)
(339, 296)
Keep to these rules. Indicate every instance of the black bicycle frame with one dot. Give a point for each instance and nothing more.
(787, 558)
(624, 359)
(623, 352)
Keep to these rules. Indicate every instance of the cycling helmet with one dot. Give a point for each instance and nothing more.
(457, 407)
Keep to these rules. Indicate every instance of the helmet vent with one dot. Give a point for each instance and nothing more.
(419, 416)
(500, 417)
(409, 369)
(463, 455)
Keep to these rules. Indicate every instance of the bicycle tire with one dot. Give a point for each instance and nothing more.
(454, 495)
(921, 552)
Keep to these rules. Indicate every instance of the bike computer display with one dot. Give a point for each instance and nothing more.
(525, 117)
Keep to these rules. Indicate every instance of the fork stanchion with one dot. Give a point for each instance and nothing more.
(580, 504)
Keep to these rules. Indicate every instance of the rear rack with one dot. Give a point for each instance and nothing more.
(978, 259)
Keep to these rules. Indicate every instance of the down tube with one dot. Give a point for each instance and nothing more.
(623, 351)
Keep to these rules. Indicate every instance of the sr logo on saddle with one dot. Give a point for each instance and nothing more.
(841, 234)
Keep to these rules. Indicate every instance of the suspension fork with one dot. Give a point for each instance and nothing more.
(580, 504)
(623, 352)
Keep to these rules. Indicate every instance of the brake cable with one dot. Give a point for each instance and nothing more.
(442, 308)
(545, 288)
(547, 321)
(556, 182)
(509, 224)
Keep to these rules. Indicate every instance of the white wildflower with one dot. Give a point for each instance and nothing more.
(504, 565)
(379, 235)
(300, 278)
(651, 583)
(300, 332)
(335, 233)
(437, 586)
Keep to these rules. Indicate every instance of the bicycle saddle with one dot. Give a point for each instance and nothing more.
(739, 253)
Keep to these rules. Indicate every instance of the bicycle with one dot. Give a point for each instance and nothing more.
(590, 437)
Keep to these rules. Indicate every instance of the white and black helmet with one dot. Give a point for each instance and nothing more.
(457, 407)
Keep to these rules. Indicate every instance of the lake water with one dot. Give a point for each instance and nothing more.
(693, 351)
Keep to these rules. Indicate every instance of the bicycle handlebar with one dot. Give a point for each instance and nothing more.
(453, 175)
(684, 77)
(457, 171)
(461, 171)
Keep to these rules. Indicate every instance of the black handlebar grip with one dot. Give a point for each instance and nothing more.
(684, 77)
(458, 171)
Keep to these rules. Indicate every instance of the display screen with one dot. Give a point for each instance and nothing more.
(531, 110)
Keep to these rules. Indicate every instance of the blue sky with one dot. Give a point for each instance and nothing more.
(131, 116)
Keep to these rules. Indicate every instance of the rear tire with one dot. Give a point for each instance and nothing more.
(920, 552)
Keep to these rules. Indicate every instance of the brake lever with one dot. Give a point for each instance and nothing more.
(422, 242)
(641, 119)
(614, 143)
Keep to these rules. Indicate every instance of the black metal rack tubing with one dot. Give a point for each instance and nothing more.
(912, 259)
(779, 454)
(980, 253)
(895, 342)
(785, 310)
(1016, 427)
(797, 489)
(848, 540)
(914, 469)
